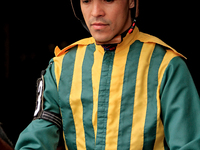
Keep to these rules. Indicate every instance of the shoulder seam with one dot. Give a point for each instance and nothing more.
(143, 37)
(169, 55)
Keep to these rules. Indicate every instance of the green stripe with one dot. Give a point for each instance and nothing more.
(180, 104)
(151, 114)
(103, 99)
(87, 96)
(64, 93)
(128, 92)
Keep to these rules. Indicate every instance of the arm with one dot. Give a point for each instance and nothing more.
(180, 106)
(42, 134)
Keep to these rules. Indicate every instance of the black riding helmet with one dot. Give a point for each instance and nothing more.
(78, 14)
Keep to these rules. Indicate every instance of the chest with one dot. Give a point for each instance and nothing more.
(107, 98)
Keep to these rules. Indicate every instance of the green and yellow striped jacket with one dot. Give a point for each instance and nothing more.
(140, 96)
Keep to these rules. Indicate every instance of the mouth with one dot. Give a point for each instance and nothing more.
(98, 25)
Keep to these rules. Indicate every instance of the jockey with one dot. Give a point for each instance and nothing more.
(120, 89)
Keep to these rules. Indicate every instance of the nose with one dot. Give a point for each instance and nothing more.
(97, 9)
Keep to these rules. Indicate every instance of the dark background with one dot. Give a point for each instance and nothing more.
(29, 32)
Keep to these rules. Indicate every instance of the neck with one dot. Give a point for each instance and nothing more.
(115, 40)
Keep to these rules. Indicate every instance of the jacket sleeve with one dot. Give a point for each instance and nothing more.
(180, 106)
(41, 134)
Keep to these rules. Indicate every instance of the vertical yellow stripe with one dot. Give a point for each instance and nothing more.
(159, 142)
(114, 106)
(140, 101)
(75, 98)
(66, 148)
(58, 67)
(96, 74)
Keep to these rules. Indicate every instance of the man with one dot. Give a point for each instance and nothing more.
(120, 89)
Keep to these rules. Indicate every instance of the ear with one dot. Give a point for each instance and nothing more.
(131, 4)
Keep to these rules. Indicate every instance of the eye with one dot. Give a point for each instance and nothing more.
(109, 1)
(85, 1)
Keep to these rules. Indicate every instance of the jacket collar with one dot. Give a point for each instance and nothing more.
(127, 41)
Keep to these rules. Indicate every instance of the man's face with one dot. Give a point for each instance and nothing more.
(107, 18)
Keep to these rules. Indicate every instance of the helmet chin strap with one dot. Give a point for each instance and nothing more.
(76, 9)
(118, 38)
